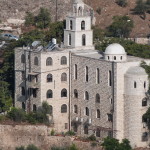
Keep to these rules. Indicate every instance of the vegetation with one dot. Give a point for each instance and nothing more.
(113, 144)
(121, 27)
(29, 147)
(122, 3)
(72, 147)
(42, 20)
(92, 138)
(146, 117)
(70, 133)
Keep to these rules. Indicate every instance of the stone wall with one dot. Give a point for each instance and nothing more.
(23, 135)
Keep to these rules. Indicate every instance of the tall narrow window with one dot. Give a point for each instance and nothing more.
(49, 94)
(110, 117)
(23, 91)
(109, 78)
(64, 108)
(83, 40)
(75, 109)
(49, 61)
(49, 78)
(34, 108)
(63, 93)
(63, 60)
(75, 93)
(98, 113)
(144, 102)
(75, 72)
(97, 99)
(83, 25)
(135, 85)
(63, 77)
(114, 57)
(98, 132)
(23, 105)
(51, 109)
(80, 11)
(23, 76)
(87, 111)
(86, 95)
(86, 74)
(36, 61)
(69, 39)
(22, 58)
(97, 76)
(34, 93)
(71, 25)
(85, 129)
(144, 84)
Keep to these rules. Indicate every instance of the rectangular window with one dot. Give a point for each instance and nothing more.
(34, 93)
(66, 125)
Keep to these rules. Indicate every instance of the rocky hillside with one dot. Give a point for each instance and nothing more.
(18, 8)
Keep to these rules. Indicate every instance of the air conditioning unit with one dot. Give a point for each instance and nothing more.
(76, 119)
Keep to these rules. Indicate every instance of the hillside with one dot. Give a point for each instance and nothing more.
(18, 9)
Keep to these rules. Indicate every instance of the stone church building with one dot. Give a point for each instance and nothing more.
(89, 92)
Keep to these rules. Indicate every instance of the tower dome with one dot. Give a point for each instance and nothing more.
(115, 52)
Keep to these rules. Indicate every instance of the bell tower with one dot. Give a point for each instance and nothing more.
(78, 32)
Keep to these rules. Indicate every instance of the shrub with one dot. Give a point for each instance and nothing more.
(122, 3)
(20, 148)
(70, 133)
(17, 115)
(73, 147)
(2, 117)
(92, 138)
(31, 118)
(31, 147)
(52, 132)
(93, 144)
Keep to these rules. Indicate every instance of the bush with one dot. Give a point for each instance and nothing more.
(93, 144)
(20, 148)
(31, 118)
(122, 3)
(17, 115)
(2, 117)
(70, 133)
(92, 137)
(73, 147)
(52, 132)
(31, 147)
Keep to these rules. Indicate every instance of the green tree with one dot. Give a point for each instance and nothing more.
(125, 145)
(42, 20)
(146, 116)
(5, 97)
(29, 19)
(98, 33)
(140, 8)
(122, 3)
(121, 26)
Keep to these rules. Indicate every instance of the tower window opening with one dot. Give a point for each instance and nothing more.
(83, 40)
(98, 113)
(34, 108)
(49, 78)
(71, 25)
(85, 129)
(75, 72)
(63, 60)
(83, 25)
(98, 132)
(108, 57)
(144, 84)
(86, 74)
(69, 39)
(110, 117)
(121, 58)
(109, 78)
(64, 108)
(114, 57)
(63, 93)
(49, 94)
(144, 102)
(97, 76)
(87, 111)
(75, 109)
(86, 95)
(135, 85)
(49, 61)
(97, 98)
(34, 93)
(75, 93)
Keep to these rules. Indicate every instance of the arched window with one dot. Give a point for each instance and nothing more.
(51, 109)
(23, 91)
(75, 93)
(75, 109)
(69, 39)
(36, 61)
(22, 58)
(49, 78)
(108, 57)
(86, 95)
(71, 25)
(144, 84)
(49, 61)
(97, 99)
(80, 11)
(97, 76)
(87, 111)
(63, 93)
(34, 108)
(75, 72)
(135, 85)
(98, 113)
(63, 60)
(23, 105)
(121, 58)
(85, 129)
(83, 40)
(86, 74)
(83, 25)
(64, 108)
(109, 78)
(144, 102)
(114, 57)
(49, 94)
(98, 132)
(63, 77)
